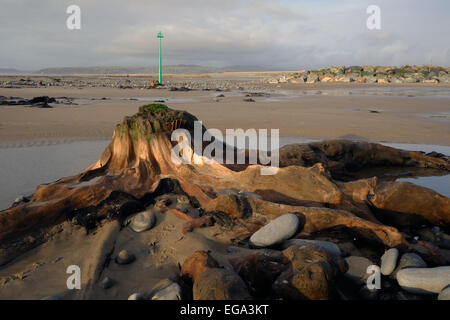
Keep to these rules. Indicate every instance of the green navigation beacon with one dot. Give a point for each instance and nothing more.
(160, 36)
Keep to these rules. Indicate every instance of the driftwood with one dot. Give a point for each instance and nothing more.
(136, 167)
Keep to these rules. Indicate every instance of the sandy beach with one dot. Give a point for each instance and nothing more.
(394, 113)
(411, 114)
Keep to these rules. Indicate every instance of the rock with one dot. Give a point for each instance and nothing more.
(389, 261)
(383, 80)
(282, 79)
(166, 290)
(444, 294)
(259, 270)
(220, 284)
(436, 236)
(357, 268)
(411, 80)
(396, 80)
(311, 274)
(370, 79)
(276, 231)
(125, 257)
(345, 79)
(424, 280)
(107, 283)
(410, 260)
(197, 263)
(330, 247)
(143, 221)
(312, 78)
(136, 296)
(326, 79)
(353, 69)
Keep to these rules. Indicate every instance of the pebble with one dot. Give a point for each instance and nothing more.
(389, 261)
(424, 280)
(136, 296)
(357, 268)
(330, 247)
(107, 283)
(171, 292)
(276, 231)
(410, 260)
(125, 257)
(143, 221)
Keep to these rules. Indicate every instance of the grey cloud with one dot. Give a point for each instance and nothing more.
(289, 33)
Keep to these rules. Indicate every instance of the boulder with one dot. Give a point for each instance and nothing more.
(276, 231)
(312, 78)
(220, 284)
(143, 221)
(354, 69)
(424, 280)
(311, 275)
(389, 261)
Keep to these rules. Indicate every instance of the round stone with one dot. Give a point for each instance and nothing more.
(276, 231)
(125, 257)
(424, 280)
(172, 291)
(389, 261)
(107, 283)
(357, 268)
(136, 296)
(143, 221)
(410, 260)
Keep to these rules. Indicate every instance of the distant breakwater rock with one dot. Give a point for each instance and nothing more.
(136, 173)
(368, 74)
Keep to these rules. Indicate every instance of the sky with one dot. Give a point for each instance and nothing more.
(288, 34)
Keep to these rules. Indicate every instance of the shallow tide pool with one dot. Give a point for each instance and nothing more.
(23, 169)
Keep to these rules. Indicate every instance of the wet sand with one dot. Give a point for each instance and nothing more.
(409, 114)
